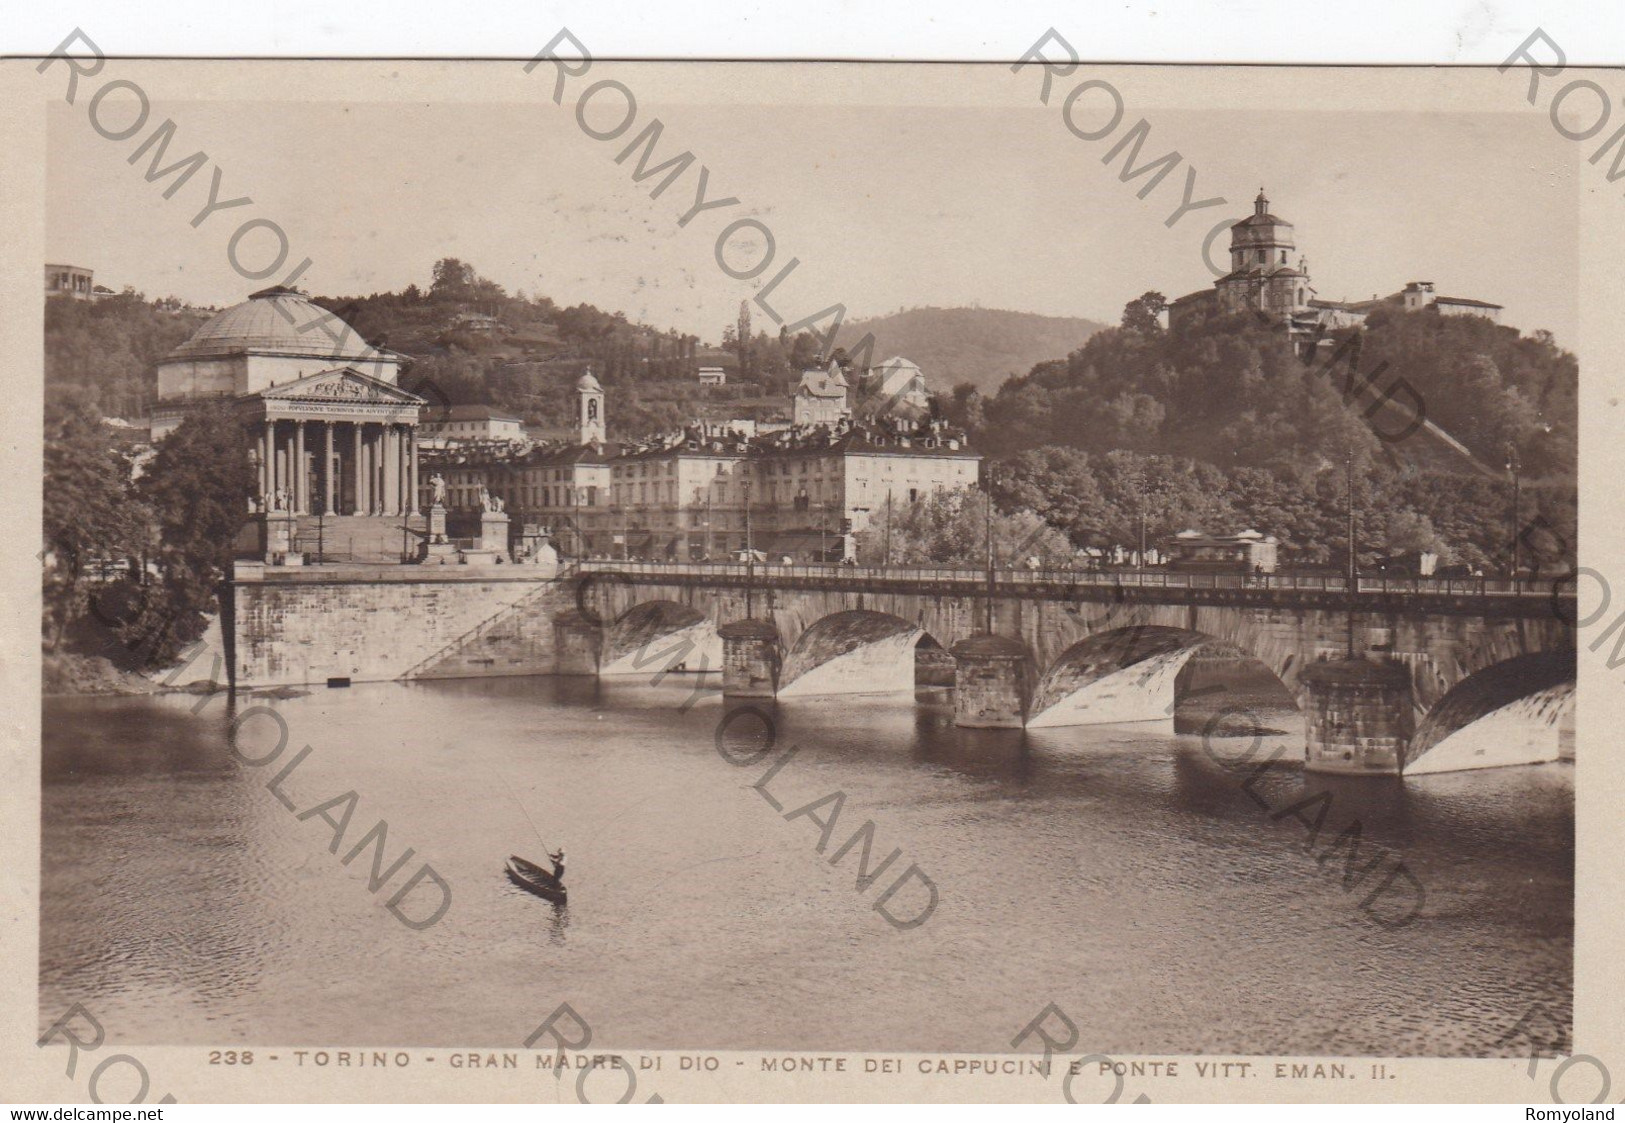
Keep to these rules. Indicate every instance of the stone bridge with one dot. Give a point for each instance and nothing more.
(1392, 676)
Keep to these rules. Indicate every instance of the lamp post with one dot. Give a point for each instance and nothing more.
(987, 535)
(575, 526)
(1353, 565)
(1512, 470)
(887, 562)
(750, 555)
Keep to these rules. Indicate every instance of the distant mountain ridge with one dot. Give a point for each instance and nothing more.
(980, 345)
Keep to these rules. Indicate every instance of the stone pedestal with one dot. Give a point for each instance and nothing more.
(750, 659)
(577, 642)
(278, 531)
(435, 550)
(1360, 716)
(493, 532)
(993, 682)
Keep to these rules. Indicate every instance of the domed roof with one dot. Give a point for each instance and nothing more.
(587, 382)
(271, 320)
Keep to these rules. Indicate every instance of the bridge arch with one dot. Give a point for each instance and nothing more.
(1128, 674)
(857, 651)
(1509, 712)
(657, 637)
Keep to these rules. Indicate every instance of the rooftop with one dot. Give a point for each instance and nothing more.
(467, 413)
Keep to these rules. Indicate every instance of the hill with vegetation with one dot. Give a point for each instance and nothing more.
(1223, 425)
(470, 342)
(982, 346)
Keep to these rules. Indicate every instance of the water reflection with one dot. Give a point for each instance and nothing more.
(1126, 873)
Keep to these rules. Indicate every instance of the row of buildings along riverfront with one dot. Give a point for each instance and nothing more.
(334, 437)
(797, 491)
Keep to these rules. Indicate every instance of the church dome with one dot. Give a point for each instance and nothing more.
(588, 382)
(270, 321)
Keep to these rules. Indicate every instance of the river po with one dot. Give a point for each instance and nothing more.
(1156, 885)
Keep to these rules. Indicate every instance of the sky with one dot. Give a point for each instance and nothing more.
(885, 206)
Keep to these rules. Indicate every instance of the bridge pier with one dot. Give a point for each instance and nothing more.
(750, 659)
(577, 642)
(1360, 716)
(993, 682)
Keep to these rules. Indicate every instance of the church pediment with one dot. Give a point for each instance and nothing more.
(345, 385)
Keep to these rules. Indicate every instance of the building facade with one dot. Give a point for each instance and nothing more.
(820, 398)
(329, 431)
(70, 281)
(707, 491)
(470, 423)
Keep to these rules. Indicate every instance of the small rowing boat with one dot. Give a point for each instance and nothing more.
(528, 875)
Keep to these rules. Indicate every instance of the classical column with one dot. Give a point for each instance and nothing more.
(392, 475)
(375, 470)
(368, 471)
(265, 463)
(404, 459)
(359, 471)
(376, 473)
(279, 471)
(412, 483)
(327, 469)
(301, 478)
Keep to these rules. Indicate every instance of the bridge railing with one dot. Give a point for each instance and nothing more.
(1166, 579)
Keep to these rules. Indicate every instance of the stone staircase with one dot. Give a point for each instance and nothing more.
(516, 639)
(359, 538)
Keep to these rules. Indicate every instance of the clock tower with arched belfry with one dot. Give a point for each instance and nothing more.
(589, 410)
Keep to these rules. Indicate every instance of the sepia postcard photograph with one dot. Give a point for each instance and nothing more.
(583, 578)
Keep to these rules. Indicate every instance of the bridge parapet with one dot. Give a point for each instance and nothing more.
(1445, 596)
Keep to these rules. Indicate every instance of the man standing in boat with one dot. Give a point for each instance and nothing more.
(558, 865)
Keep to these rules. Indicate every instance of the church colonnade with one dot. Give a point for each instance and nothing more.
(337, 467)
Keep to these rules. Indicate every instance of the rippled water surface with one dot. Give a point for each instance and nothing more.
(1127, 874)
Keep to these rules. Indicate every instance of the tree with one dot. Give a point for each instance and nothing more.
(949, 528)
(1409, 532)
(453, 279)
(1144, 313)
(198, 486)
(90, 514)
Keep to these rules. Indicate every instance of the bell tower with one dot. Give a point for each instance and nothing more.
(589, 410)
